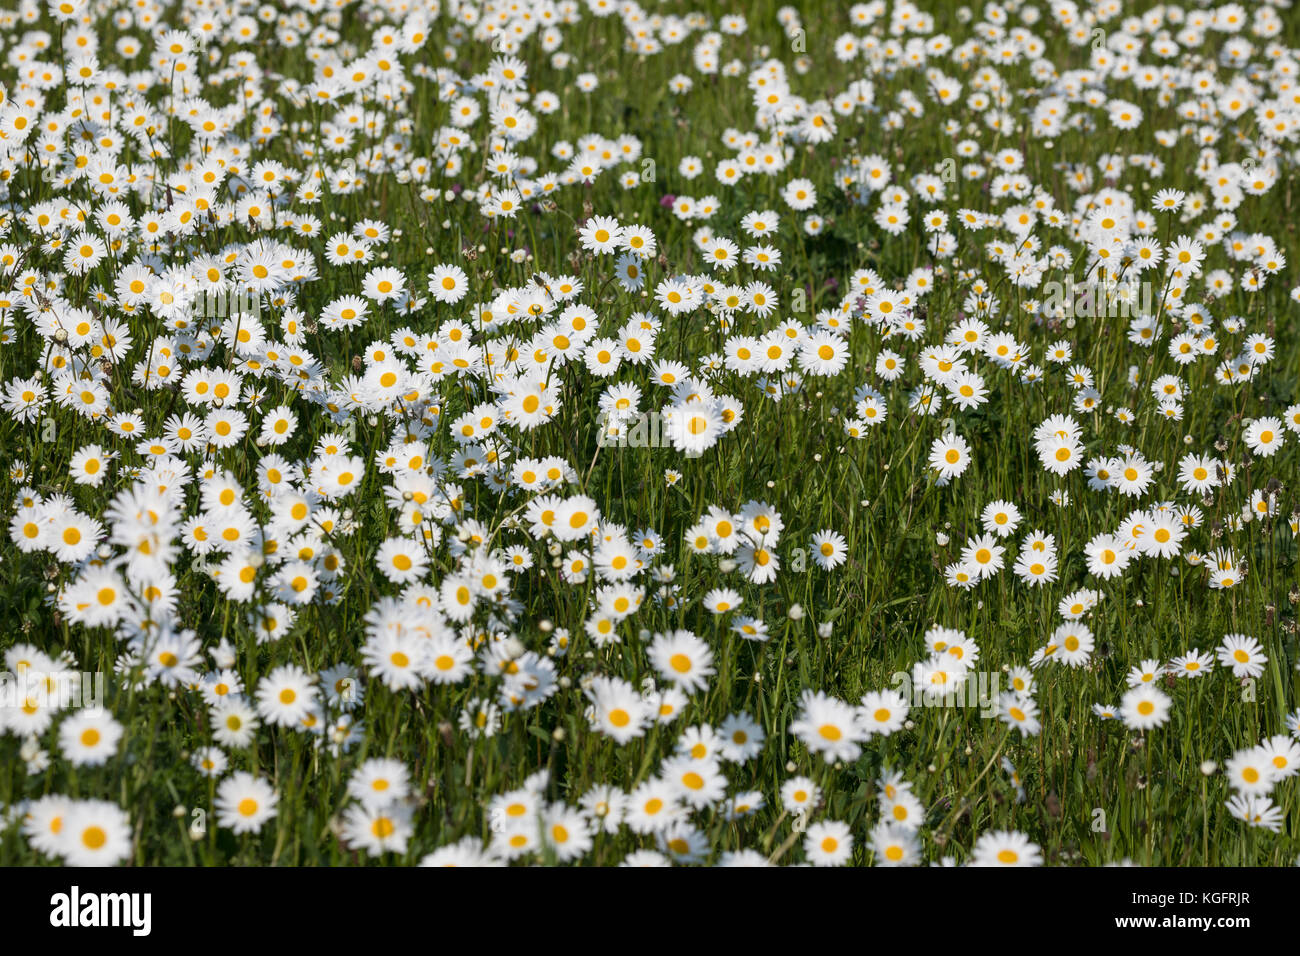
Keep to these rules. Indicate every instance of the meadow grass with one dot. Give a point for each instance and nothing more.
(1085, 790)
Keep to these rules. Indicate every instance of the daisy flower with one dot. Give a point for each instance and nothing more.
(1005, 848)
(245, 803)
(1144, 707)
(94, 833)
(682, 659)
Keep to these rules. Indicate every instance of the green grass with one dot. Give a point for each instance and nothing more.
(1157, 805)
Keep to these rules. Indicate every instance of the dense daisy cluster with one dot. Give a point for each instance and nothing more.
(465, 433)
